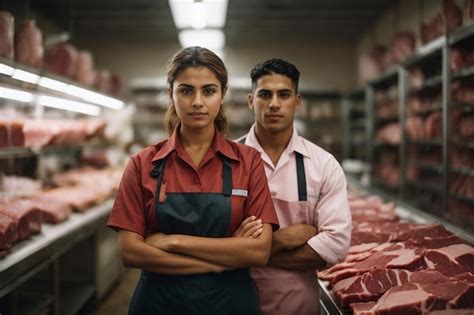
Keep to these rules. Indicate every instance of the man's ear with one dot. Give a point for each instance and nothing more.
(298, 102)
(250, 100)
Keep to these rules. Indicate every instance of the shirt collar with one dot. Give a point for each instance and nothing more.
(219, 144)
(296, 143)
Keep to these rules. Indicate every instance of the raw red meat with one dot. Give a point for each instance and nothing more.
(403, 45)
(7, 28)
(28, 217)
(60, 59)
(415, 128)
(29, 44)
(85, 68)
(452, 15)
(21, 186)
(433, 125)
(8, 231)
(53, 210)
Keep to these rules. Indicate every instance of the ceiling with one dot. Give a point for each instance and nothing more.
(247, 20)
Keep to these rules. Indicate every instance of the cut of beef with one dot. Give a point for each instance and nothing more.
(451, 260)
(53, 210)
(85, 68)
(420, 298)
(29, 44)
(60, 59)
(7, 27)
(8, 231)
(29, 218)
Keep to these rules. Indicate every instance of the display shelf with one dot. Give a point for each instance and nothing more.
(462, 170)
(358, 123)
(378, 144)
(74, 296)
(427, 110)
(466, 199)
(425, 51)
(386, 77)
(461, 34)
(328, 301)
(424, 185)
(34, 303)
(430, 83)
(463, 73)
(385, 119)
(429, 142)
(427, 165)
(464, 143)
(32, 255)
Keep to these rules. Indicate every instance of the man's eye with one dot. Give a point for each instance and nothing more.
(265, 95)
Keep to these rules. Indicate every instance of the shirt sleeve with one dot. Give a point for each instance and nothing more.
(259, 200)
(333, 219)
(128, 210)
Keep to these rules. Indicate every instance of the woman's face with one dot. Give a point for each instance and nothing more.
(197, 97)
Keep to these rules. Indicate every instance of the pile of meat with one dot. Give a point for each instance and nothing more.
(443, 22)
(39, 133)
(22, 214)
(24, 44)
(396, 267)
(390, 134)
(422, 128)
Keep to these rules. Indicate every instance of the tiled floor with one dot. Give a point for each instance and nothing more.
(118, 299)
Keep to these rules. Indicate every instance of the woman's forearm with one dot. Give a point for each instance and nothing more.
(233, 252)
(136, 253)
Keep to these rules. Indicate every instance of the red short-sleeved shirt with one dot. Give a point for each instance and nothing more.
(134, 207)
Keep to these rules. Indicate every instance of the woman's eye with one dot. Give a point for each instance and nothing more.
(209, 91)
(186, 91)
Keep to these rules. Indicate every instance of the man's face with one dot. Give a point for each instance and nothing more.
(274, 101)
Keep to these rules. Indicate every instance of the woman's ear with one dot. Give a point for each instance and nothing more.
(170, 94)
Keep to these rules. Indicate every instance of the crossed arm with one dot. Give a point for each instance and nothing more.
(184, 254)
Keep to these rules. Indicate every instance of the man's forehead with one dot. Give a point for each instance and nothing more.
(274, 82)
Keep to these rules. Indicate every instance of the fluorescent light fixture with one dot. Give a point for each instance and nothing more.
(60, 103)
(52, 84)
(188, 13)
(16, 95)
(25, 76)
(198, 20)
(94, 97)
(7, 70)
(211, 39)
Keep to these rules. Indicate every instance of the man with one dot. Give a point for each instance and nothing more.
(308, 189)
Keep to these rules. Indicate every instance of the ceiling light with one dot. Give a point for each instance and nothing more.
(211, 39)
(25, 76)
(191, 14)
(94, 97)
(73, 106)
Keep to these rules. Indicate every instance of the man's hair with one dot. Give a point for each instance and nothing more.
(275, 66)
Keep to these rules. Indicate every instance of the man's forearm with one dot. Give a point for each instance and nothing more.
(301, 258)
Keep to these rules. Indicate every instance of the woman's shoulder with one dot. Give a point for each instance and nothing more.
(242, 151)
(149, 152)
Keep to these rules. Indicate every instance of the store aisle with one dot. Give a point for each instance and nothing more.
(119, 298)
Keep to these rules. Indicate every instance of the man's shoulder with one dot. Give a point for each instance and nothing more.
(315, 151)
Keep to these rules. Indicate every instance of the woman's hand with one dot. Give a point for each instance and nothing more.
(250, 227)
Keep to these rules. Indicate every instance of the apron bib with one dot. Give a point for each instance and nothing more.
(198, 214)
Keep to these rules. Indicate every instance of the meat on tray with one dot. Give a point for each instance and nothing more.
(28, 217)
(53, 210)
(21, 186)
(8, 231)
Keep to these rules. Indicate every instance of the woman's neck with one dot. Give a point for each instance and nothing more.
(196, 142)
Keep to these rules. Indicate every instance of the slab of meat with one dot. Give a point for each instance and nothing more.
(29, 44)
(11, 132)
(39, 133)
(422, 232)
(390, 134)
(28, 217)
(3, 134)
(79, 198)
(21, 186)
(433, 125)
(61, 59)
(452, 15)
(103, 81)
(420, 298)
(466, 127)
(117, 87)
(53, 210)
(451, 260)
(94, 127)
(432, 29)
(461, 58)
(85, 73)
(415, 128)
(403, 45)
(8, 231)
(373, 284)
(7, 28)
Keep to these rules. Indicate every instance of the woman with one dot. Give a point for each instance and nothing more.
(181, 204)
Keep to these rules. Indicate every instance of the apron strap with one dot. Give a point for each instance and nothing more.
(226, 176)
(301, 177)
(157, 173)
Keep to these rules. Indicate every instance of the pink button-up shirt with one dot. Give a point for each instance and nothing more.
(327, 194)
(283, 291)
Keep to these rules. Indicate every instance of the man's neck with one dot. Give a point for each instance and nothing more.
(274, 144)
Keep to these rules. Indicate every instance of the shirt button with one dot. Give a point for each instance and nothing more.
(196, 180)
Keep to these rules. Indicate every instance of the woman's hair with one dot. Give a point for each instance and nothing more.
(196, 57)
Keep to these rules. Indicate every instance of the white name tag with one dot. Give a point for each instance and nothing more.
(239, 192)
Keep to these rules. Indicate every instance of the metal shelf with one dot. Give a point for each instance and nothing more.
(34, 302)
(462, 198)
(463, 73)
(388, 75)
(461, 34)
(422, 52)
(74, 296)
(427, 165)
(32, 255)
(386, 119)
(424, 185)
(467, 144)
(431, 142)
(427, 110)
(430, 83)
(462, 170)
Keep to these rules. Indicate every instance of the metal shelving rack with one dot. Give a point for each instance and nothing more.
(354, 125)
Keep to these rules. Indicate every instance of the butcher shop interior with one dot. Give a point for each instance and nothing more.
(386, 87)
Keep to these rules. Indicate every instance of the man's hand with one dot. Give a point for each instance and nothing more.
(250, 227)
(292, 237)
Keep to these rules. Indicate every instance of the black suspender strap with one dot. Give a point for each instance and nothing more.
(301, 177)
(226, 176)
(157, 173)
